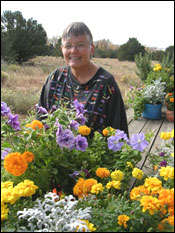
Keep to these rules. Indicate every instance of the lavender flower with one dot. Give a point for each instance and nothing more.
(79, 108)
(5, 152)
(114, 144)
(81, 143)
(138, 142)
(74, 124)
(65, 138)
(5, 111)
(163, 163)
(60, 128)
(81, 119)
(74, 174)
(41, 109)
(121, 135)
(13, 121)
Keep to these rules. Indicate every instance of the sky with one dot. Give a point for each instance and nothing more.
(151, 22)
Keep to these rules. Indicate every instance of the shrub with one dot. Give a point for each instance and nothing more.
(143, 64)
(4, 76)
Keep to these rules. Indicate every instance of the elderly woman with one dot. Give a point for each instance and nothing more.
(85, 81)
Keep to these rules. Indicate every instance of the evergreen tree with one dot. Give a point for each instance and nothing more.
(128, 50)
(21, 39)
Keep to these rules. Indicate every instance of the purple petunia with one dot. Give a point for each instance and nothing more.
(79, 107)
(13, 121)
(5, 110)
(74, 124)
(74, 174)
(81, 119)
(81, 143)
(138, 142)
(114, 144)
(121, 135)
(161, 154)
(41, 109)
(5, 152)
(65, 138)
(163, 163)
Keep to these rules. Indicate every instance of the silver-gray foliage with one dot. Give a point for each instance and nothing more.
(53, 215)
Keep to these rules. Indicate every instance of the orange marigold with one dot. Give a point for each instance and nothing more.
(35, 125)
(172, 100)
(137, 192)
(107, 130)
(102, 172)
(15, 164)
(78, 188)
(29, 156)
(88, 185)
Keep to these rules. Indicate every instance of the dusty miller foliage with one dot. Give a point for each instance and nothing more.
(54, 215)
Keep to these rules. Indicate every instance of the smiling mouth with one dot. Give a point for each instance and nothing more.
(74, 58)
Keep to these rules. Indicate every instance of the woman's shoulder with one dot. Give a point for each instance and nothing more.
(103, 73)
(57, 72)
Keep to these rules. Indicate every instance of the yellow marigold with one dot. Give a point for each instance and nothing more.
(167, 172)
(4, 212)
(6, 184)
(29, 156)
(88, 224)
(137, 192)
(117, 175)
(153, 184)
(122, 220)
(157, 67)
(165, 135)
(137, 173)
(9, 195)
(26, 188)
(129, 164)
(108, 130)
(15, 164)
(151, 204)
(78, 188)
(102, 172)
(172, 154)
(88, 185)
(84, 130)
(172, 133)
(114, 184)
(96, 188)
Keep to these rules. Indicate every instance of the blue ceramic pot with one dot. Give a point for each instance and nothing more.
(152, 111)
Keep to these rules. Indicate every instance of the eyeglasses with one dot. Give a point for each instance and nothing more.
(79, 46)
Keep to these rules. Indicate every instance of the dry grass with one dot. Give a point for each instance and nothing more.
(23, 85)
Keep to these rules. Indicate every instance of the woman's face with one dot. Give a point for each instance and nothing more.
(77, 51)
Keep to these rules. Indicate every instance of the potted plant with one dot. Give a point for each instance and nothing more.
(147, 100)
(169, 101)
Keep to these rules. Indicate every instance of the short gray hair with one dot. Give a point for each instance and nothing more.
(77, 29)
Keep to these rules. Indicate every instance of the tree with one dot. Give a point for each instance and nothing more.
(21, 39)
(128, 50)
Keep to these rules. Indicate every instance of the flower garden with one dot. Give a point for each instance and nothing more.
(56, 178)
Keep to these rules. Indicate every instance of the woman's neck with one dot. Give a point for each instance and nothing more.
(84, 74)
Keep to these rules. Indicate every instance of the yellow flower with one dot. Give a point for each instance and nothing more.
(153, 184)
(9, 195)
(84, 130)
(102, 172)
(96, 188)
(15, 164)
(165, 135)
(26, 188)
(129, 164)
(122, 220)
(151, 204)
(4, 212)
(157, 67)
(167, 172)
(172, 154)
(29, 156)
(88, 224)
(172, 133)
(137, 173)
(6, 184)
(117, 175)
(114, 184)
